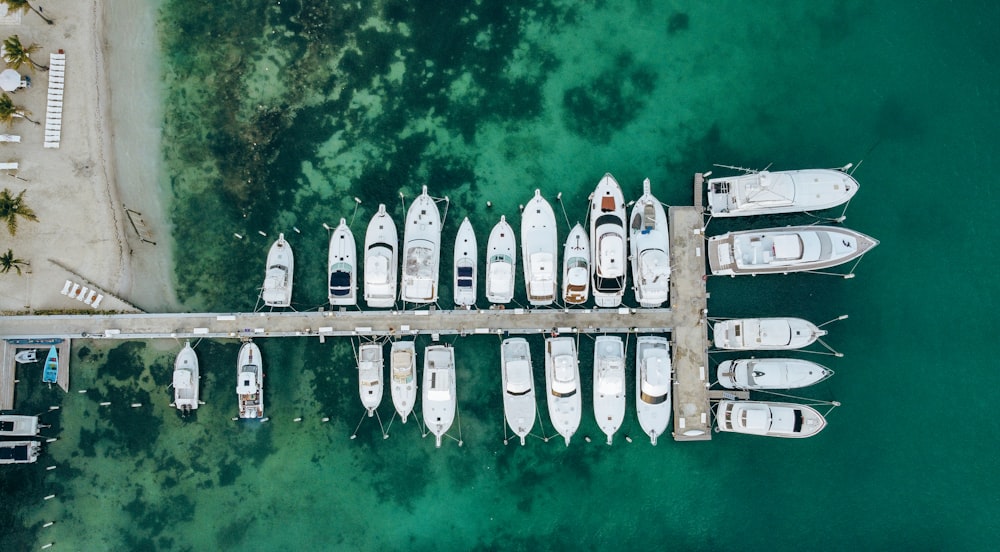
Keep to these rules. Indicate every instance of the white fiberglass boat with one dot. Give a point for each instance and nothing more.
(562, 385)
(370, 366)
(607, 242)
(278, 277)
(186, 380)
(766, 192)
(250, 381)
(466, 265)
(518, 386)
(13, 425)
(539, 250)
(421, 251)
(576, 267)
(343, 271)
(439, 401)
(381, 260)
(650, 249)
(403, 385)
(785, 250)
(653, 383)
(749, 334)
(501, 258)
(770, 373)
(26, 356)
(773, 419)
(19, 452)
(609, 384)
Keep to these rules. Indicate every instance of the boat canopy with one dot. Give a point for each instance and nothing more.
(182, 379)
(766, 190)
(611, 247)
(500, 276)
(656, 376)
(518, 377)
(563, 374)
(787, 247)
(377, 269)
(653, 265)
(248, 381)
(420, 259)
(440, 388)
(754, 418)
(773, 332)
(611, 380)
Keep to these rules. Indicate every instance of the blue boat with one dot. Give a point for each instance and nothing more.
(51, 372)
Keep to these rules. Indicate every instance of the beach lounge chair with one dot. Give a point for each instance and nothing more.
(90, 297)
(8, 166)
(10, 138)
(97, 301)
(76, 289)
(66, 287)
(82, 294)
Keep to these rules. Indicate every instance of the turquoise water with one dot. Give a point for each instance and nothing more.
(278, 114)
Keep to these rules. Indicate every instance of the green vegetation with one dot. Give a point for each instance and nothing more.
(16, 54)
(12, 207)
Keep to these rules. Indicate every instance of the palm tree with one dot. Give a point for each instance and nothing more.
(12, 207)
(23, 5)
(9, 111)
(15, 54)
(9, 261)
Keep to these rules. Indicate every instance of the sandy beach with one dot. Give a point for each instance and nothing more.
(101, 214)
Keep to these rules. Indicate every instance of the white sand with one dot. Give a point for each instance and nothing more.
(109, 158)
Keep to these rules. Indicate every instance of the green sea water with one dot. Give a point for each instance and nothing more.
(278, 114)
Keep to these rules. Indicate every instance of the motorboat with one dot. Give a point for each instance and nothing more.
(250, 381)
(539, 250)
(650, 249)
(773, 419)
(403, 382)
(14, 425)
(381, 260)
(576, 267)
(653, 381)
(186, 379)
(501, 258)
(562, 385)
(770, 373)
(26, 356)
(19, 452)
(279, 276)
(421, 251)
(343, 266)
(466, 265)
(370, 366)
(767, 192)
(785, 250)
(609, 384)
(50, 373)
(518, 386)
(607, 242)
(439, 401)
(761, 334)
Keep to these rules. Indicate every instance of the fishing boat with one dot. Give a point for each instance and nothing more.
(19, 452)
(785, 250)
(770, 373)
(26, 356)
(370, 366)
(576, 267)
(439, 401)
(749, 334)
(421, 251)
(250, 381)
(13, 425)
(403, 385)
(650, 249)
(185, 379)
(278, 278)
(773, 419)
(562, 385)
(607, 241)
(466, 265)
(652, 385)
(539, 250)
(381, 260)
(766, 192)
(501, 257)
(50, 373)
(343, 263)
(518, 386)
(609, 384)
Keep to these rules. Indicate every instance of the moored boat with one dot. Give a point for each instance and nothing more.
(650, 249)
(772, 419)
(501, 258)
(250, 381)
(19, 452)
(50, 373)
(421, 251)
(14, 425)
(381, 260)
(403, 385)
(608, 242)
(466, 265)
(766, 192)
(770, 373)
(748, 334)
(343, 267)
(370, 366)
(653, 381)
(562, 385)
(279, 275)
(186, 379)
(576, 267)
(518, 386)
(785, 250)
(609, 384)
(439, 400)
(26, 356)
(539, 250)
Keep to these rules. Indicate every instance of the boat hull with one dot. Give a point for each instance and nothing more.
(381, 260)
(650, 250)
(769, 193)
(765, 334)
(50, 373)
(250, 382)
(466, 265)
(19, 452)
(439, 400)
(562, 385)
(770, 373)
(370, 365)
(539, 250)
(653, 385)
(403, 377)
(421, 251)
(186, 379)
(279, 276)
(609, 384)
(785, 250)
(342, 268)
(771, 419)
(501, 260)
(518, 386)
(576, 267)
(608, 243)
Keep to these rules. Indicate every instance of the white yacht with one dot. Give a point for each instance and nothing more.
(250, 381)
(609, 384)
(766, 192)
(539, 250)
(370, 365)
(749, 334)
(19, 452)
(13, 425)
(501, 258)
(518, 386)
(770, 373)
(653, 383)
(650, 249)
(403, 386)
(607, 242)
(773, 419)
(576, 267)
(785, 250)
(421, 251)
(278, 277)
(343, 266)
(439, 401)
(381, 260)
(562, 385)
(466, 265)
(186, 379)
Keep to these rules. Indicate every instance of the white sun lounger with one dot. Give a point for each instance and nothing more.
(82, 294)
(53, 110)
(75, 290)
(65, 289)
(8, 166)
(90, 297)
(97, 301)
